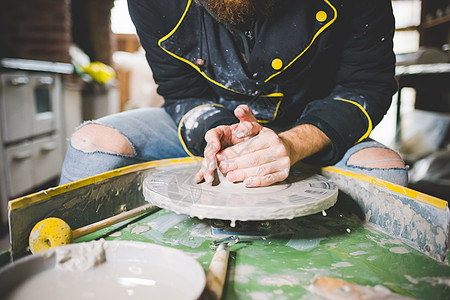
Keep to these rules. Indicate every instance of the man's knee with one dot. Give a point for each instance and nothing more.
(377, 158)
(96, 137)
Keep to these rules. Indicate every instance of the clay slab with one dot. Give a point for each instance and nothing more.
(173, 188)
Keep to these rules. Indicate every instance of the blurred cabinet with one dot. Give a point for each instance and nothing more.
(435, 24)
(427, 71)
(28, 105)
(432, 88)
(32, 131)
(31, 164)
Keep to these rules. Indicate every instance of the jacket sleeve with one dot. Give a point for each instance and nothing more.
(188, 97)
(365, 81)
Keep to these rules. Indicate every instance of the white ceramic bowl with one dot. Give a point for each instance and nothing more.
(132, 270)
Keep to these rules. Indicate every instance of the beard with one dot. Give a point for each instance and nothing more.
(236, 12)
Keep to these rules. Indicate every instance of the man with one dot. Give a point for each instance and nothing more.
(255, 86)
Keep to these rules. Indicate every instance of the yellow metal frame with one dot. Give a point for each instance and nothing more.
(43, 195)
(434, 201)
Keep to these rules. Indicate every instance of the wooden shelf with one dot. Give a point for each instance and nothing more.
(419, 69)
(435, 22)
(407, 28)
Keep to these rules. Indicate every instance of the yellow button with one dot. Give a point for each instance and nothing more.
(277, 64)
(321, 16)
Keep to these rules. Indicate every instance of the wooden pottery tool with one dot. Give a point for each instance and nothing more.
(53, 232)
(217, 272)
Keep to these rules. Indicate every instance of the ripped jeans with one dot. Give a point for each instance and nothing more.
(153, 135)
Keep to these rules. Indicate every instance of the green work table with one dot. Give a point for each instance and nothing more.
(283, 266)
(286, 255)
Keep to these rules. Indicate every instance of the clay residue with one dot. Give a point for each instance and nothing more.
(356, 253)
(445, 281)
(72, 203)
(80, 257)
(399, 250)
(302, 244)
(166, 222)
(241, 273)
(196, 255)
(382, 242)
(412, 279)
(34, 234)
(139, 229)
(414, 222)
(342, 264)
(260, 296)
(279, 280)
(201, 230)
(332, 288)
(439, 280)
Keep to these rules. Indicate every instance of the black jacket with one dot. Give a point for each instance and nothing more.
(324, 62)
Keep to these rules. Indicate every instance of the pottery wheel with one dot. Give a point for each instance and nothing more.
(172, 187)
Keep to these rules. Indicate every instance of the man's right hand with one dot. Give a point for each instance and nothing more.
(224, 136)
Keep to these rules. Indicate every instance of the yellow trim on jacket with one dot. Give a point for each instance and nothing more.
(369, 120)
(310, 44)
(164, 38)
(195, 66)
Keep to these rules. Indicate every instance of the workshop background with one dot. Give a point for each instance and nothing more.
(63, 62)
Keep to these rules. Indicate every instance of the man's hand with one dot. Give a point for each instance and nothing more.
(259, 161)
(267, 157)
(225, 136)
(255, 155)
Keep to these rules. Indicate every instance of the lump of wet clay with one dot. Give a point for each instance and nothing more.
(81, 257)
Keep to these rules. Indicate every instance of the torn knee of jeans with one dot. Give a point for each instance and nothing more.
(376, 158)
(94, 137)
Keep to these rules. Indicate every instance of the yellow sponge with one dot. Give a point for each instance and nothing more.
(49, 233)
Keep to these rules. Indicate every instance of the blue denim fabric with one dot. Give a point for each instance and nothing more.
(394, 175)
(151, 132)
(153, 135)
